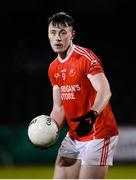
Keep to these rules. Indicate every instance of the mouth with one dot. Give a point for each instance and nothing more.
(58, 46)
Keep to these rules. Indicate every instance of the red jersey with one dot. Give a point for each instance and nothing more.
(77, 92)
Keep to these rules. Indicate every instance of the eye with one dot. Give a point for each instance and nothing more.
(63, 32)
(53, 32)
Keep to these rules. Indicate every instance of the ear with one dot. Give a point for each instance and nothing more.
(73, 34)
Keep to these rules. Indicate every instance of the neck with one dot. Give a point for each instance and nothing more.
(65, 54)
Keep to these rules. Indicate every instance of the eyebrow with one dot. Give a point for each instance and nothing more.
(55, 29)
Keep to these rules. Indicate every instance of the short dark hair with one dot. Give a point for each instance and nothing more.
(61, 18)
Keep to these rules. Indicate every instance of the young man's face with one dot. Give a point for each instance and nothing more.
(60, 37)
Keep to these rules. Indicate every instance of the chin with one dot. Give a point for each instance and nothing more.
(58, 51)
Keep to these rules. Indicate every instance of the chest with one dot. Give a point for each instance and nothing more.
(68, 73)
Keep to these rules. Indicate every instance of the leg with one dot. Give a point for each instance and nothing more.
(93, 172)
(66, 168)
(97, 156)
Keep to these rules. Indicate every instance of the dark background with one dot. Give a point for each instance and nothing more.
(105, 26)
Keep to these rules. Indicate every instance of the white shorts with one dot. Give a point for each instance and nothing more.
(94, 152)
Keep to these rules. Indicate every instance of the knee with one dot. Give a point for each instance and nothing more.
(64, 161)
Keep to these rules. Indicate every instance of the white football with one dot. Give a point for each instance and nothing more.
(43, 131)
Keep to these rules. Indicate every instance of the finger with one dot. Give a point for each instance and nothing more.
(41, 148)
(77, 119)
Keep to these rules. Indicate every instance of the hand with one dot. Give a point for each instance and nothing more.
(86, 123)
(42, 148)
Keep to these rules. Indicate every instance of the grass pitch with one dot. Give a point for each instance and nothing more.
(46, 172)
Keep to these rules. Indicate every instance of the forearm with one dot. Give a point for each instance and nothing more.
(58, 115)
(101, 100)
(103, 92)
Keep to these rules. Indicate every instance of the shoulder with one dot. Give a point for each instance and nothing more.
(52, 67)
(53, 63)
(87, 54)
(89, 62)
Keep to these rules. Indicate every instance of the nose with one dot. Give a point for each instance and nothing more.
(58, 37)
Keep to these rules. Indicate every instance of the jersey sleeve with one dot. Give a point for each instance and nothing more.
(94, 65)
(51, 76)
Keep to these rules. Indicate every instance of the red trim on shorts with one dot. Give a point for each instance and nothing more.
(105, 151)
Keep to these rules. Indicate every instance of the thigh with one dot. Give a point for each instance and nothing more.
(66, 168)
(99, 152)
(93, 172)
(97, 156)
(67, 164)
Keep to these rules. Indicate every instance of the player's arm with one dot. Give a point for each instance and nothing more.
(57, 113)
(102, 87)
